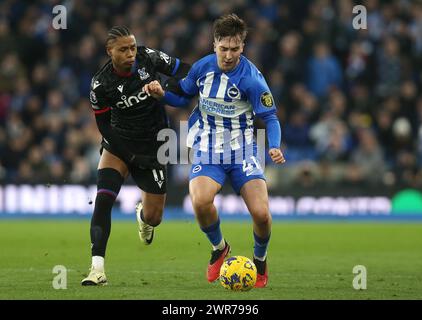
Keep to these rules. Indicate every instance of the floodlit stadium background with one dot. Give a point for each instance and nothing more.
(348, 101)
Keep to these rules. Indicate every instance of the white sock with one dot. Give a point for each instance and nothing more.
(98, 263)
(220, 246)
(261, 258)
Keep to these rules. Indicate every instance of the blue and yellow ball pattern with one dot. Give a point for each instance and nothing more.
(238, 273)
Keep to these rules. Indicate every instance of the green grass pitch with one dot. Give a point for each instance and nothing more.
(307, 260)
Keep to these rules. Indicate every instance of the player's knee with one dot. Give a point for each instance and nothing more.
(261, 216)
(201, 203)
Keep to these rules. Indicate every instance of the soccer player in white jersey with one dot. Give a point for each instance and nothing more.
(231, 92)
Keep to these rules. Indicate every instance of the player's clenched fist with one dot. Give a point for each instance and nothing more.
(154, 89)
(276, 155)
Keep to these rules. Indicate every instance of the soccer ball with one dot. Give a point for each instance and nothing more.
(238, 273)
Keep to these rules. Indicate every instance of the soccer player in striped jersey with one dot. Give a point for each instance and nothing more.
(231, 92)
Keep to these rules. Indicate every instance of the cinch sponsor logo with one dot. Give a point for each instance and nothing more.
(129, 102)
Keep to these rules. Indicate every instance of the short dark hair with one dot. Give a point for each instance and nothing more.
(230, 25)
(116, 32)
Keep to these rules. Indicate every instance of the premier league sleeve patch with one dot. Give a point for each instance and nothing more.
(93, 97)
(267, 100)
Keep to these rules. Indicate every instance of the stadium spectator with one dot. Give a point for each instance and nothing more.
(367, 163)
(389, 68)
(324, 71)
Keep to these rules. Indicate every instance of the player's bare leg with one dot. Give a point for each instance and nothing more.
(111, 174)
(109, 160)
(255, 195)
(202, 191)
(149, 214)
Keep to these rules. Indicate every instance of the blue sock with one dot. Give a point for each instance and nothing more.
(260, 247)
(213, 233)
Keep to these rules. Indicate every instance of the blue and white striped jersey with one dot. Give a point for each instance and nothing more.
(227, 104)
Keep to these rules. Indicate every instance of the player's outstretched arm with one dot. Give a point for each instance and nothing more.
(155, 90)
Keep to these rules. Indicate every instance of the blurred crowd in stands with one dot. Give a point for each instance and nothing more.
(349, 101)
